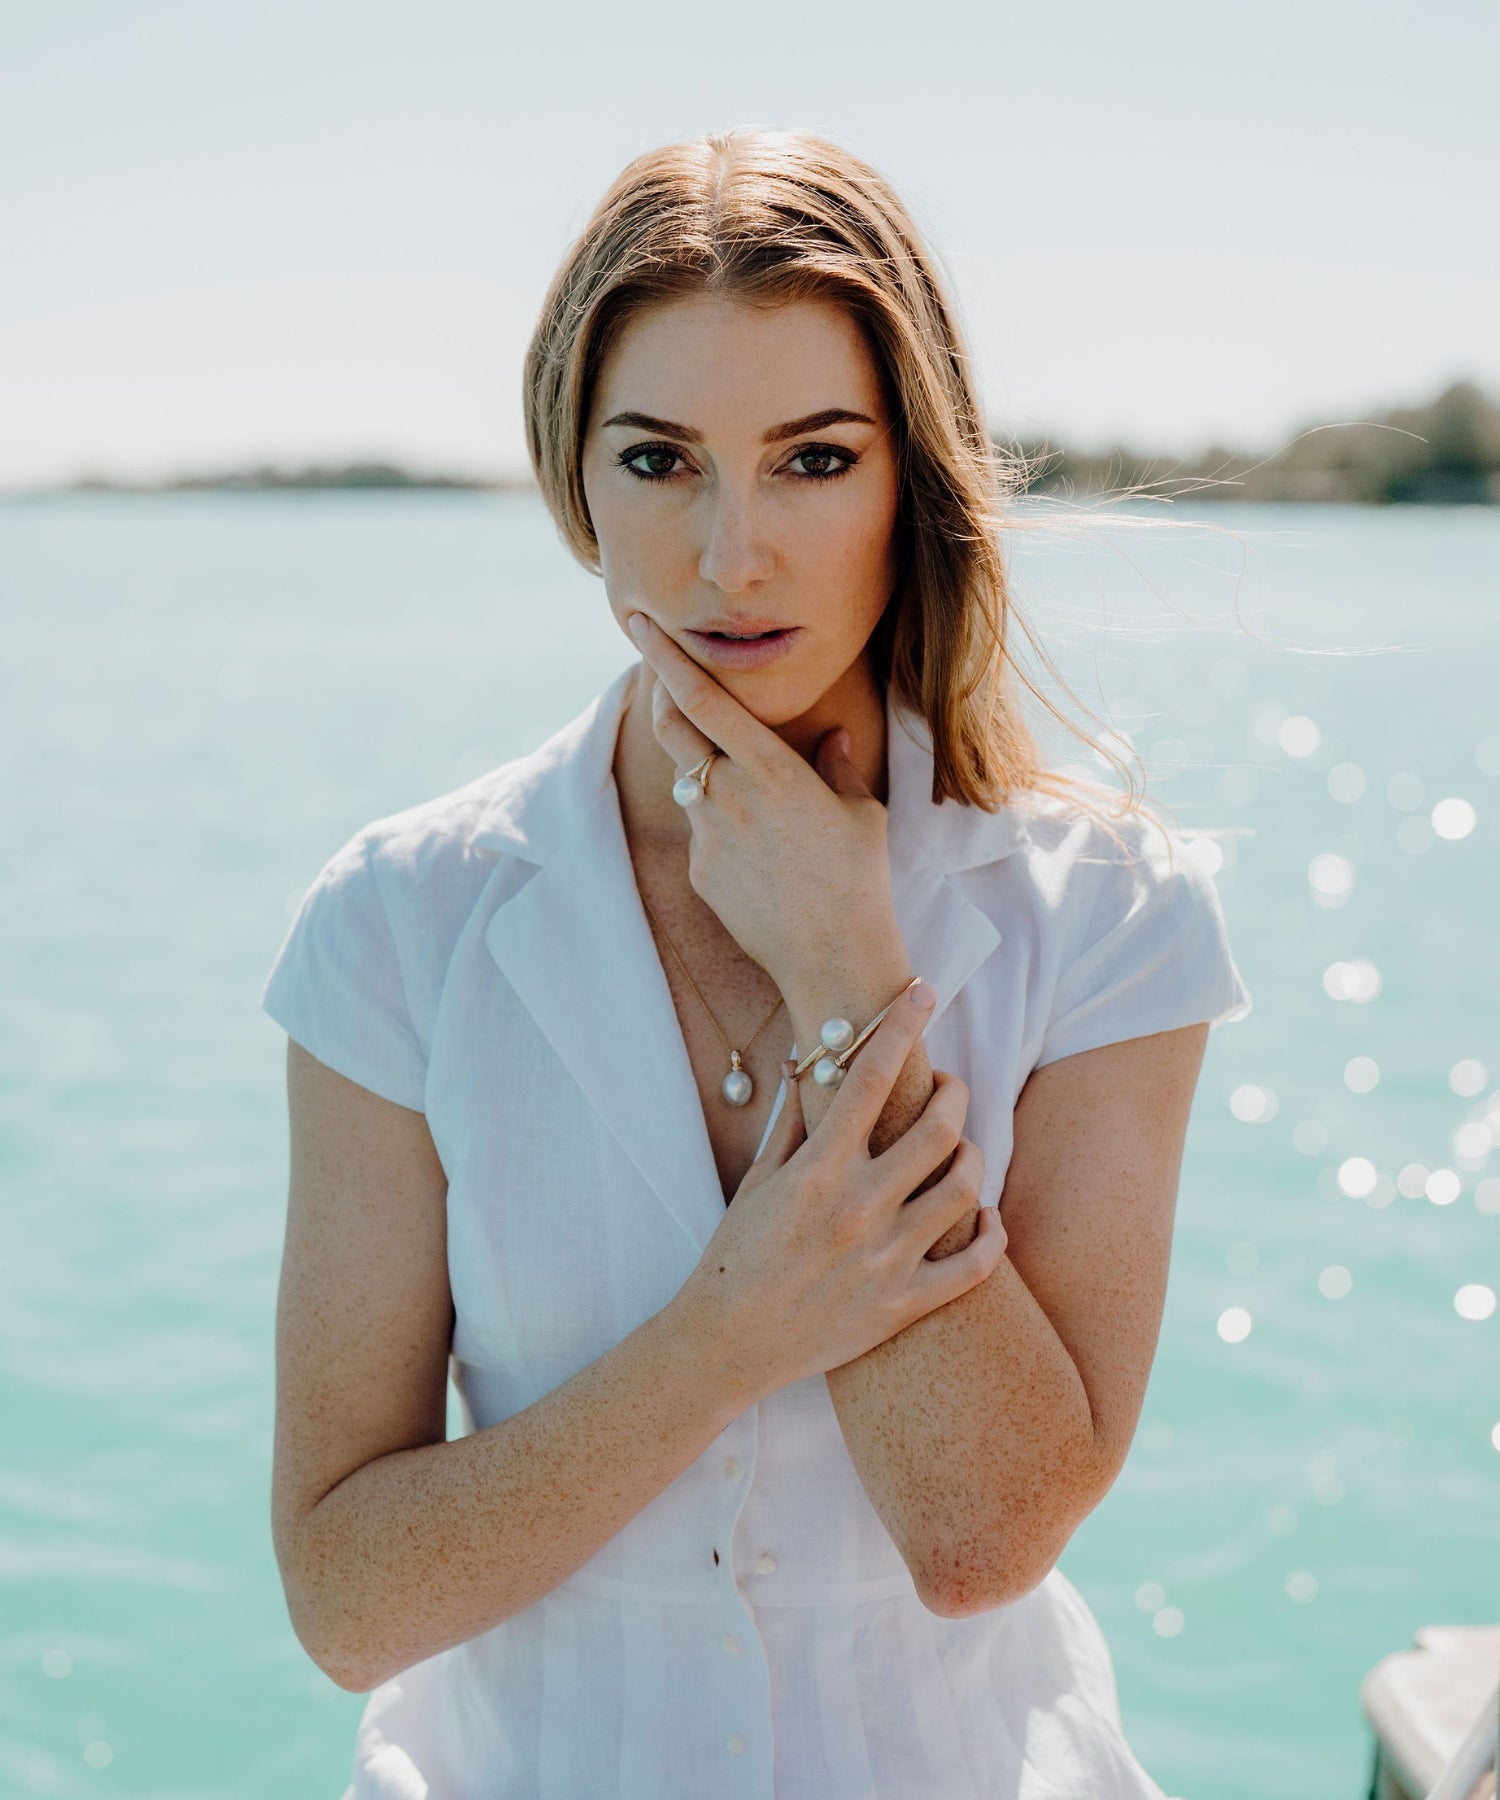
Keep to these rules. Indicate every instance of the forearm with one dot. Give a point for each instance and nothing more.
(971, 1429)
(973, 1436)
(422, 1549)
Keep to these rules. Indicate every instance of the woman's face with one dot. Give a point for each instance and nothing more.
(741, 479)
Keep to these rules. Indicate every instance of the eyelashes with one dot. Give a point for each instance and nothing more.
(637, 453)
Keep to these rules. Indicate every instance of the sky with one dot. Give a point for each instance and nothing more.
(318, 231)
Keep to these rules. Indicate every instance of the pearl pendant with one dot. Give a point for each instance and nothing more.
(737, 1087)
(837, 1035)
(827, 1073)
(687, 790)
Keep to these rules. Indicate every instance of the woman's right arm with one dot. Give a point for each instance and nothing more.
(394, 1544)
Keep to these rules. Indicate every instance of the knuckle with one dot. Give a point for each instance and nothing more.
(695, 693)
(865, 1078)
(955, 1087)
(848, 1222)
(966, 1176)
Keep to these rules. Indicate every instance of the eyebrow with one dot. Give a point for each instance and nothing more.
(687, 434)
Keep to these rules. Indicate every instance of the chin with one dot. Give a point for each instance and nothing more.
(775, 702)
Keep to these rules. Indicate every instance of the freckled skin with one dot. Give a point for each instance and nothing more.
(1053, 1352)
(984, 1432)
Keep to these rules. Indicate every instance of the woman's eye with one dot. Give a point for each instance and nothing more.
(822, 462)
(651, 462)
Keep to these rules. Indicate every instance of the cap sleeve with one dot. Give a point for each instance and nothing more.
(336, 985)
(1155, 954)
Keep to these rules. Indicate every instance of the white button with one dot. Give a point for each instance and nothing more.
(735, 1744)
(765, 1563)
(731, 1468)
(730, 1644)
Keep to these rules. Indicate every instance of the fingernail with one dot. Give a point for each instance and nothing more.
(924, 996)
(636, 625)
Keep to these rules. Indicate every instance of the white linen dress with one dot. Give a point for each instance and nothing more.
(484, 958)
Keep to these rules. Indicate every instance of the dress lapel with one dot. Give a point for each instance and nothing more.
(574, 943)
(946, 935)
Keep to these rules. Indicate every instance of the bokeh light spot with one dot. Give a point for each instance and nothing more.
(1252, 1105)
(1335, 1282)
(1331, 878)
(1357, 1176)
(1346, 782)
(1361, 1074)
(1443, 1187)
(1414, 836)
(1453, 819)
(1474, 1301)
(1298, 736)
(1234, 1324)
(1467, 1078)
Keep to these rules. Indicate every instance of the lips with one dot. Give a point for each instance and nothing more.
(739, 628)
(749, 644)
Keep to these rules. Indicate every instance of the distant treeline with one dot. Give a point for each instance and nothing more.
(1446, 454)
(264, 477)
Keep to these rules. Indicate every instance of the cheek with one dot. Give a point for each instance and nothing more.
(854, 551)
(637, 552)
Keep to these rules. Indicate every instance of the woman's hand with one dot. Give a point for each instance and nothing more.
(822, 1256)
(792, 858)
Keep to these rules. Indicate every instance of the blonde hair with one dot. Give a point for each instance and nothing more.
(779, 216)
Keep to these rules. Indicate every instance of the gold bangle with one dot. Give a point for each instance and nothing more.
(829, 1061)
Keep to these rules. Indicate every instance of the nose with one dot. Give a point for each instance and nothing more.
(736, 550)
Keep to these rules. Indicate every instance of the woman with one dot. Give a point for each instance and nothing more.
(777, 1431)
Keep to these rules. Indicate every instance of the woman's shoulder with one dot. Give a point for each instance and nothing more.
(1080, 841)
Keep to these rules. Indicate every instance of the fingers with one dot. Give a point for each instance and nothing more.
(860, 1098)
(928, 1217)
(837, 770)
(675, 732)
(936, 1283)
(714, 711)
(930, 1140)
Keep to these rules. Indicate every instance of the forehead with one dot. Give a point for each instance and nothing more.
(730, 364)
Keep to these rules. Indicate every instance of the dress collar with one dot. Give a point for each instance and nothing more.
(539, 800)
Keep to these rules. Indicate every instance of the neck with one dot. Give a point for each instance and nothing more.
(644, 772)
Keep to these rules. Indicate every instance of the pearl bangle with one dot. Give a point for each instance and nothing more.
(838, 1043)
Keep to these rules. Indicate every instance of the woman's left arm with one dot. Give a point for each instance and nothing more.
(989, 1430)
(986, 1432)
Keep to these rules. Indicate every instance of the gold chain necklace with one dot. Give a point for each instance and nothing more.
(736, 1087)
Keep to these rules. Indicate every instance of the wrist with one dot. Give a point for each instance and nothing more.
(719, 1356)
(855, 987)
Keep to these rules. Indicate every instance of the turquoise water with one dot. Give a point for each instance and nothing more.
(204, 696)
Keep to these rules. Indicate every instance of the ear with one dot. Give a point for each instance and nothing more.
(834, 766)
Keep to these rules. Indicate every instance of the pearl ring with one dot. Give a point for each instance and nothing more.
(689, 789)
